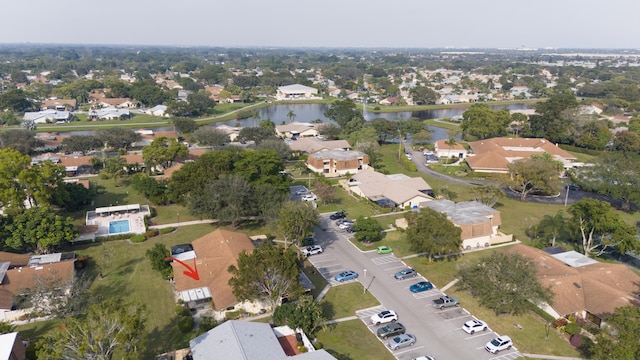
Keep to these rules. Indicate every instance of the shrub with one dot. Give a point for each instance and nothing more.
(557, 323)
(185, 324)
(572, 328)
(207, 323)
(138, 238)
(151, 233)
(179, 309)
(580, 341)
(408, 164)
(166, 230)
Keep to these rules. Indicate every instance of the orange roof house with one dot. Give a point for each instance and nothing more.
(212, 254)
(495, 155)
(445, 150)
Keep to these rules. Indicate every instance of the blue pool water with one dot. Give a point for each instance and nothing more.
(119, 226)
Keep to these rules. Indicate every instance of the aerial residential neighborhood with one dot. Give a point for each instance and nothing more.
(340, 191)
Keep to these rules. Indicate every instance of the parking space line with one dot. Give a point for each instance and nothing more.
(405, 351)
(395, 267)
(479, 334)
(456, 318)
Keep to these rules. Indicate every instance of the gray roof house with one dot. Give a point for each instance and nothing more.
(395, 190)
(45, 116)
(244, 340)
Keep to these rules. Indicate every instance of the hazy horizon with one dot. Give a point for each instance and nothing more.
(410, 24)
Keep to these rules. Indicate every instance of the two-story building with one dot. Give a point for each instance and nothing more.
(337, 162)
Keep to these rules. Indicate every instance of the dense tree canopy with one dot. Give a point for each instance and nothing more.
(21, 140)
(540, 174)
(346, 115)
(163, 151)
(367, 229)
(40, 230)
(296, 220)
(118, 138)
(270, 273)
(430, 232)
(480, 122)
(504, 282)
(619, 337)
(81, 143)
(209, 136)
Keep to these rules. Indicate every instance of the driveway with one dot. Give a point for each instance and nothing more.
(438, 332)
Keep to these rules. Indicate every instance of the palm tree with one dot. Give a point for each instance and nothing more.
(291, 115)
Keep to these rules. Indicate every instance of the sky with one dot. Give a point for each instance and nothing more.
(328, 23)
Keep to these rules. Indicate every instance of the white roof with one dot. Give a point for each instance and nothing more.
(108, 209)
(574, 258)
(6, 345)
(195, 294)
(296, 87)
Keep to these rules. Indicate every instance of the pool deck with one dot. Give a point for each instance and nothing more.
(136, 221)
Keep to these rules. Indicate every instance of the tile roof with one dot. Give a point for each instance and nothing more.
(498, 153)
(396, 187)
(313, 144)
(215, 252)
(598, 288)
(442, 145)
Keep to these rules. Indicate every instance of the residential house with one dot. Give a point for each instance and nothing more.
(444, 150)
(119, 103)
(247, 340)
(521, 91)
(296, 91)
(313, 144)
(231, 131)
(12, 347)
(494, 155)
(23, 271)
(396, 190)
(582, 287)
(389, 101)
(332, 163)
(297, 130)
(479, 223)
(212, 253)
(109, 113)
(48, 116)
(158, 110)
(58, 104)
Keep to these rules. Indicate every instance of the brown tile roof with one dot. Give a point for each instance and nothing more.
(598, 288)
(157, 134)
(442, 145)
(45, 104)
(14, 259)
(115, 101)
(215, 252)
(133, 158)
(75, 160)
(19, 278)
(497, 153)
(289, 344)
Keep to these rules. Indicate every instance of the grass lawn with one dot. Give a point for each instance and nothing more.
(393, 239)
(316, 278)
(531, 338)
(130, 278)
(353, 206)
(343, 300)
(352, 340)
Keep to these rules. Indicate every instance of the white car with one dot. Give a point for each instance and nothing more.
(424, 357)
(498, 344)
(472, 326)
(345, 225)
(384, 317)
(309, 197)
(408, 156)
(312, 250)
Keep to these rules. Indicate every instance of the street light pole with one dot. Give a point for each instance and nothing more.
(365, 282)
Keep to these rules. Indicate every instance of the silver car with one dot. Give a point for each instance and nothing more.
(401, 341)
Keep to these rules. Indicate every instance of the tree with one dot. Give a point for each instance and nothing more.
(115, 167)
(504, 283)
(257, 134)
(163, 151)
(15, 100)
(118, 138)
(151, 188)
(487, 194)
(108, 327)
(291, 115)
(40, 230)
(600, 228)
(616, 174)
(619, 337)
(43, 183)
(430, 232)
(422, 137)
(482, 123)
(6, 327)
(346, 115)
(210, 136)
(81, 143)
(29, 125)
(148, 93)
(227, 199)
(103, 259)
(423, 95)
(538, 174)
(305, 314)
(157, 256)
(283, 150)
(367, 229)
(549, 229)
(270, 272)
(12, 163)
(329, 131)
(79, 196)
(200, 102)
(184, 125)
(55, 295)
(325, 191)
(296, 220)
(22, 140)
(626, 141)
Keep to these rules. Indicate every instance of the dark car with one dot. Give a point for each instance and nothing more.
(392, 329)
(421, 286)
(338, 215)
(574, 187)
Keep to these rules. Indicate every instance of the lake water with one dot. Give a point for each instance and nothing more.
(313, 112)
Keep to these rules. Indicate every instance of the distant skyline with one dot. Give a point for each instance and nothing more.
(331, 23)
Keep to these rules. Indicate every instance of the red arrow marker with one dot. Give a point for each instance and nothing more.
(192, 273)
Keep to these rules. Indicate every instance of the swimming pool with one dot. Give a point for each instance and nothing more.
(119, 226)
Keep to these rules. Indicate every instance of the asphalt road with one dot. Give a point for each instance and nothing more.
(438, 332)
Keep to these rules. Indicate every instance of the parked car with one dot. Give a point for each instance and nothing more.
(384, 250)
(474, 325)
(309, 197)
(408, 156)
(308, 241)
(312, 250)
(302, 191)
(427, 153)
(384, 317)
(401, 341)
(392, 329)
(498, 344)
(338, 215)
(421, 286)
(574, 187)
(345, 224)
(340, 221)
(346, 276)
(445, 301)
(424, 357)
(405, 273)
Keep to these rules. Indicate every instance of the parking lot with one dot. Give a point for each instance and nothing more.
(438, 332)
